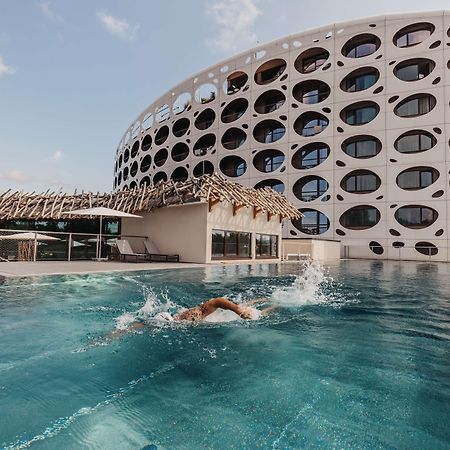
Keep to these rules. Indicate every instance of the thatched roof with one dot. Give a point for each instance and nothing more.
(212, 189)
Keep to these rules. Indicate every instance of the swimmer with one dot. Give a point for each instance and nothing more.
(200, 312)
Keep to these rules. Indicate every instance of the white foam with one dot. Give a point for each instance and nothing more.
(307, 288)
(155, 308)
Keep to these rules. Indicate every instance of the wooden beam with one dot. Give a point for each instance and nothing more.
(236, 208)
(256, 211)
(211, 203)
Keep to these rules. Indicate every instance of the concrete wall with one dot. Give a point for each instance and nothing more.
(178, 229)
(187, 229)
(221, 218)
(316, 249)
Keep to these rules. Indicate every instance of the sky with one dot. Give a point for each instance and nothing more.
(75, 74)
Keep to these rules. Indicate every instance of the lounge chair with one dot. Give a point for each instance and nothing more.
(125, 251)
(155, 255)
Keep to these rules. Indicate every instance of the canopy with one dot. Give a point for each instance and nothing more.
(29, 237)
(100, 211)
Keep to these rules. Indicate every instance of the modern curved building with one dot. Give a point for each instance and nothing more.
(351, 121)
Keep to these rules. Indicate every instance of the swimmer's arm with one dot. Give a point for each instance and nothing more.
(223, 303)
(117, 333)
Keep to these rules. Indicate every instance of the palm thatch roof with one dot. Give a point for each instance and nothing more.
(212, 189)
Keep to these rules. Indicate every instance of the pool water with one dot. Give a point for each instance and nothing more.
(356, 355)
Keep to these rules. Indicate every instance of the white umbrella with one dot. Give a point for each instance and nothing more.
(101, 212)
(29, 236)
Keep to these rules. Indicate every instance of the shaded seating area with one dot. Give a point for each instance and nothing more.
(156, 256)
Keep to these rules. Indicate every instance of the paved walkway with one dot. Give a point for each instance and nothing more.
(29, 269)
(25, 269)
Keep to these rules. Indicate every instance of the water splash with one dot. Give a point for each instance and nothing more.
(154, 305)
(311, 287)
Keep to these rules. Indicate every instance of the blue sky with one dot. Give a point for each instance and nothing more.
(74, 74)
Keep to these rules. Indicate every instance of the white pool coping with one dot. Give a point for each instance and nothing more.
(41, 268)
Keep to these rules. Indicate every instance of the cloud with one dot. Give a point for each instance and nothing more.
(57, 156)
(5, 69)
(15, 175)
(117, 27)
(47, 11)
(234, 20)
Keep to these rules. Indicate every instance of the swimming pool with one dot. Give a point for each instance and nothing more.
(356, 356)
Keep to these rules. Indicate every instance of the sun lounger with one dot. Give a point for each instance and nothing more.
(125, 251)
(156, 255)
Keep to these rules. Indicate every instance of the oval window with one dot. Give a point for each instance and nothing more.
(361, 45)
(415, 105)
(311, 60)
(310, 188)
(160, 176)
(162, 135)
(414, 69)
(203, 168)
(311, 92)
(310, 123)
(161, 157)
(360, 113)
(179, 174)
(360, 217)
(180, 151)
(416, 216)
(233, 138)
(310, 155)
(360, 182)
(235, 82)
(271, 183)
(133, 169)
(146, 143)
(206, 93)
(180, 127)
(204, 144)
(268, 131)
(416, 178)
(426, 248)
(361, 147)
(312, 222)
(415, 141)
(233, 166)
(413, 34)
(360, 79)
(376, 247)
(234, 110)
(205, 119)
(162, 113)
(268, 160)
(270, 71)
(182, 103)
(269, 101)
(134, 149)
(146, 163)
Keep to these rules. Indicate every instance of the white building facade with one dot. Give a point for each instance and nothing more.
(350, 121)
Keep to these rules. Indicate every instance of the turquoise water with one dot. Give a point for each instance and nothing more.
(357, 355)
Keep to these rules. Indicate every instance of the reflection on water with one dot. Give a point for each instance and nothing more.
(356, 355)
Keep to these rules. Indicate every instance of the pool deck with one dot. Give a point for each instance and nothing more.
(29, 269)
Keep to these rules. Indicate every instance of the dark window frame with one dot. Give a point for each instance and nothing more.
(273, 244)
(225, 254)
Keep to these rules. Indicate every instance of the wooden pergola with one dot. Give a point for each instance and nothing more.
(208, 189)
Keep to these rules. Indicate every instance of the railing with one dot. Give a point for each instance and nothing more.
(41, 245)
